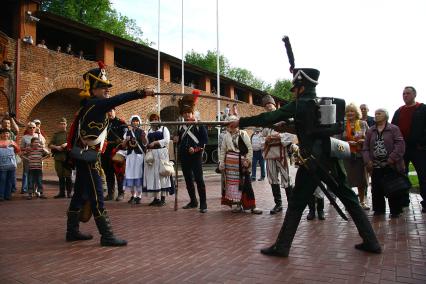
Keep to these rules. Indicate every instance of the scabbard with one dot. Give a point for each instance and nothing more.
(329, 181)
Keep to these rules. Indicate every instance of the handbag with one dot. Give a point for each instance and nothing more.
(394, 183)
(149, 157)
(274, 150)
(166, 168)
(86, 155)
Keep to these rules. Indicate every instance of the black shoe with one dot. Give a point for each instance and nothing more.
(190, 205)
(137, 200)
(60, 195)
(321, 215)
(73, 232)
(394, 215)
(155, 202)
(161, 203)
(203, 210)
(108, 198)
(378, 213)
(369, 248)
(311, 215)
(261, 179)
(276, 209)
(131, 200)
(42, 196)
(274, 251)
(120, 197)
(253, 179)
(104, 226)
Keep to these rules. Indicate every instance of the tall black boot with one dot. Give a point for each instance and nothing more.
(276, 192)
(73, 233)
(68, 186)
(61, 193)
(285, 237)
(370, 242)
(288, 192)
(203, 198)
(320, 208)
(104, 226)
(311, 205)
(191, 192)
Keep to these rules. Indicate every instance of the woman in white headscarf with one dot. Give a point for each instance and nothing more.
(235, 160)
(134, 142)
(156, 185)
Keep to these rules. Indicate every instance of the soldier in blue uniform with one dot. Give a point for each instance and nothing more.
(192, 140)
(88, 133)
(314, 140)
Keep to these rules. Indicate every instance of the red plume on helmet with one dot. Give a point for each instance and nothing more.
(101, 64)
(196, 94)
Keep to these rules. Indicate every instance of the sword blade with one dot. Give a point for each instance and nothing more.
(200, 96)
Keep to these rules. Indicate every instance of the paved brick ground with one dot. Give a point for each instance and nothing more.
(218, 247)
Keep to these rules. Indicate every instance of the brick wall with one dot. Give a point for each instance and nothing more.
(50, 81)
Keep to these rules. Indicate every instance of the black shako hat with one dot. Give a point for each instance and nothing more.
(307, 77)
(95, 78)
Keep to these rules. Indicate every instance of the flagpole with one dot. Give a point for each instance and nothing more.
(183, 70)
(217, 74)
(159, 63)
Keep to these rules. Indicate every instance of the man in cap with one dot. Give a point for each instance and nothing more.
(87, 136)
(312, 136)
(276, 166)
(58, 147)
(192, 140)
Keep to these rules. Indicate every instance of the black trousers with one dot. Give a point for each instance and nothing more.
(378, 197)
(192, 169)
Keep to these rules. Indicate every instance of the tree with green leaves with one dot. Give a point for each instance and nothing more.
(97, 14)
(208, 61)
(282, 90)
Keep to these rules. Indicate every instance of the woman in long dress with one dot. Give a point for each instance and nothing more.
(156, 185)
(235, 160)
(134, 141)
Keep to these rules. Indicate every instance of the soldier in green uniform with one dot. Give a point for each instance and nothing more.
(58, 146)
(313, 139)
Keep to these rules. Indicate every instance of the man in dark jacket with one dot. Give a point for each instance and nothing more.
(87, 135)
(314, 139)
(411, 120)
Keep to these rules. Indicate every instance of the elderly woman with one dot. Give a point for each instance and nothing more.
(156, 185)
(235, 159)
(383, 151)
(134, 142)
(354, 133)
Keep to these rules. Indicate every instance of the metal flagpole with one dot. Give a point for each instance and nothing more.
(183, 65)
(158, 62)
(217, 74)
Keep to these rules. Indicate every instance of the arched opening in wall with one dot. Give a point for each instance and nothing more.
(61, 103)
(170, 113)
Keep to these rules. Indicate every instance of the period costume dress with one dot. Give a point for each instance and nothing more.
(156, 185)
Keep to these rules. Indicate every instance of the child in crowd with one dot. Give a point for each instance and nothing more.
(35, 154)
(8, 151)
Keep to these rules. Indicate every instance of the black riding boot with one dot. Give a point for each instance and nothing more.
(203, 198)
(104, 226)
(288, 192)
(370, 242)
(61, 193)
(285, 237)
(311, 205)
(68, 186)
(73, 233)
(320, 208)
(276, 192)
(191, 192)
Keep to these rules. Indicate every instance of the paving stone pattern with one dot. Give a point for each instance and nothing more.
(185, 246)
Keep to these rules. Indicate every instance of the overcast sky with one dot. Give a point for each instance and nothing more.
(366, 50)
